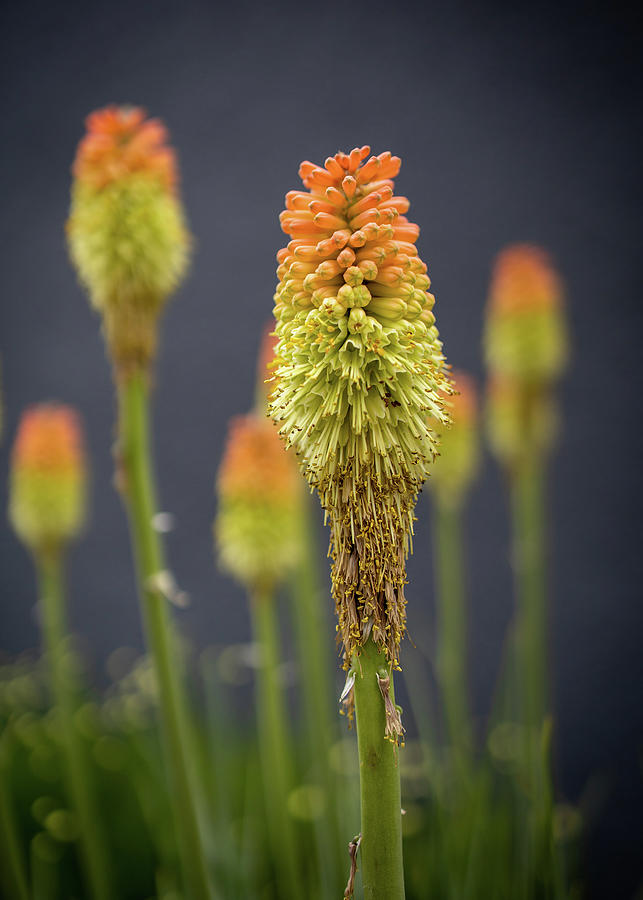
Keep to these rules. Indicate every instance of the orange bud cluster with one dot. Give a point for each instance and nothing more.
(121, 142)
(48, 477)
(351, 242)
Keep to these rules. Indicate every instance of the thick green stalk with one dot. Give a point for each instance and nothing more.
(452, 652)
(274, 745)
(380, 799)
(312, 629)
(78, 775)
(140, 500)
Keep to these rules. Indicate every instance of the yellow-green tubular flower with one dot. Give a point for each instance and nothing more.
(457, 465)
(126, 229)
(48, 478)
(526, 351)
(359, 370)
(257, 528)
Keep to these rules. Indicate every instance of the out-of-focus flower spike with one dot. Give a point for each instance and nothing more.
(525, 333)
(526, 349)
(259, 491)
(126, 229)
(456, 467)
(48, 478)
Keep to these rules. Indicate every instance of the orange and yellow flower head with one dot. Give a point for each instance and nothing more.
(126, 230)
(359, 370)
(525, 335)
(257, 528)
(48, 478)
(457, 465)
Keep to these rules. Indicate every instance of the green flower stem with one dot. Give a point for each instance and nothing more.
(311, 628)
(527, 495)
(381, 808)
(528, 510)
(14, 869)
(49, 566)
(452, 650)
(274, 745)
(139, 494)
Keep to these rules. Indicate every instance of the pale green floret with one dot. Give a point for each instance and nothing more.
(128, 241)
(360, 394)
(353, 396)
(46, 511)
(258, 544)
(530, 345)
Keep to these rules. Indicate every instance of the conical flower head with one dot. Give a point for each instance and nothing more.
(126, 230)
(257, 528)
(360, 368)
(457, 464)
(47, 486)
(525, 334)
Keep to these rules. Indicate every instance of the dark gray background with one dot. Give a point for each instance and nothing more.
(513, 124)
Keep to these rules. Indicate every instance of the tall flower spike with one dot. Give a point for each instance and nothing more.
(257, 524)
(457, 464)
(360, 369)
(47, 487)
(126, 230)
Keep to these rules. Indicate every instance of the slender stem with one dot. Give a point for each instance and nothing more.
(527, 490)
(274, 744)
(452, 626)
(139, 493)
(381, 809)
(49, 565)
(528, 508)
(311, 628)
